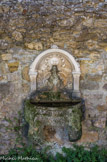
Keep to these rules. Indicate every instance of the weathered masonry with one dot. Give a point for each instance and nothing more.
(31, 32)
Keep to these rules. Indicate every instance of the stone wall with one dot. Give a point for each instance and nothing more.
(28, 27)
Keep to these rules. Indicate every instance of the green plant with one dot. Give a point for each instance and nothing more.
(25, 153)
(77, 154)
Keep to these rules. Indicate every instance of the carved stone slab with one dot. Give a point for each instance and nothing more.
(65, 69)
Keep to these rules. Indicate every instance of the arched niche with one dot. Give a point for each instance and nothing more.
(67, 65)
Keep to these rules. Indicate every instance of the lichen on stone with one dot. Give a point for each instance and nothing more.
(58, 118)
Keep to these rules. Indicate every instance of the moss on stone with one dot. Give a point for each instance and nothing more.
(50, 96)
(40, 116)
(29, 111)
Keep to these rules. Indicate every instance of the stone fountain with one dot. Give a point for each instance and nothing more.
(54, 107)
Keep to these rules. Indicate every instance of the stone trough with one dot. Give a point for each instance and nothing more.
(52, 117)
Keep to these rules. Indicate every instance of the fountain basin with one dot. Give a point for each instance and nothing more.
(51, 111)
(53, 120)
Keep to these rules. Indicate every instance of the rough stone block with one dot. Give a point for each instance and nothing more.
(96, 78)
(14, 77)
(102, 107)
(91, 44)
(1, 78)
(3, 68)
(4, 44)
(100, 23)
(90, 85)
(6, 57)
(13, 66)
(34, 45)
(4, 90)
(26, 88)
(25, 73)
(100, 123)
(88, 22)
(88, 136)
(17, 36)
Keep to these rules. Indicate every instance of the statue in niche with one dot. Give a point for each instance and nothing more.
(54, 82)
(63, 70)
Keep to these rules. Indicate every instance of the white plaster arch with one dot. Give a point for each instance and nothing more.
(76, 72)
(68, 55)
